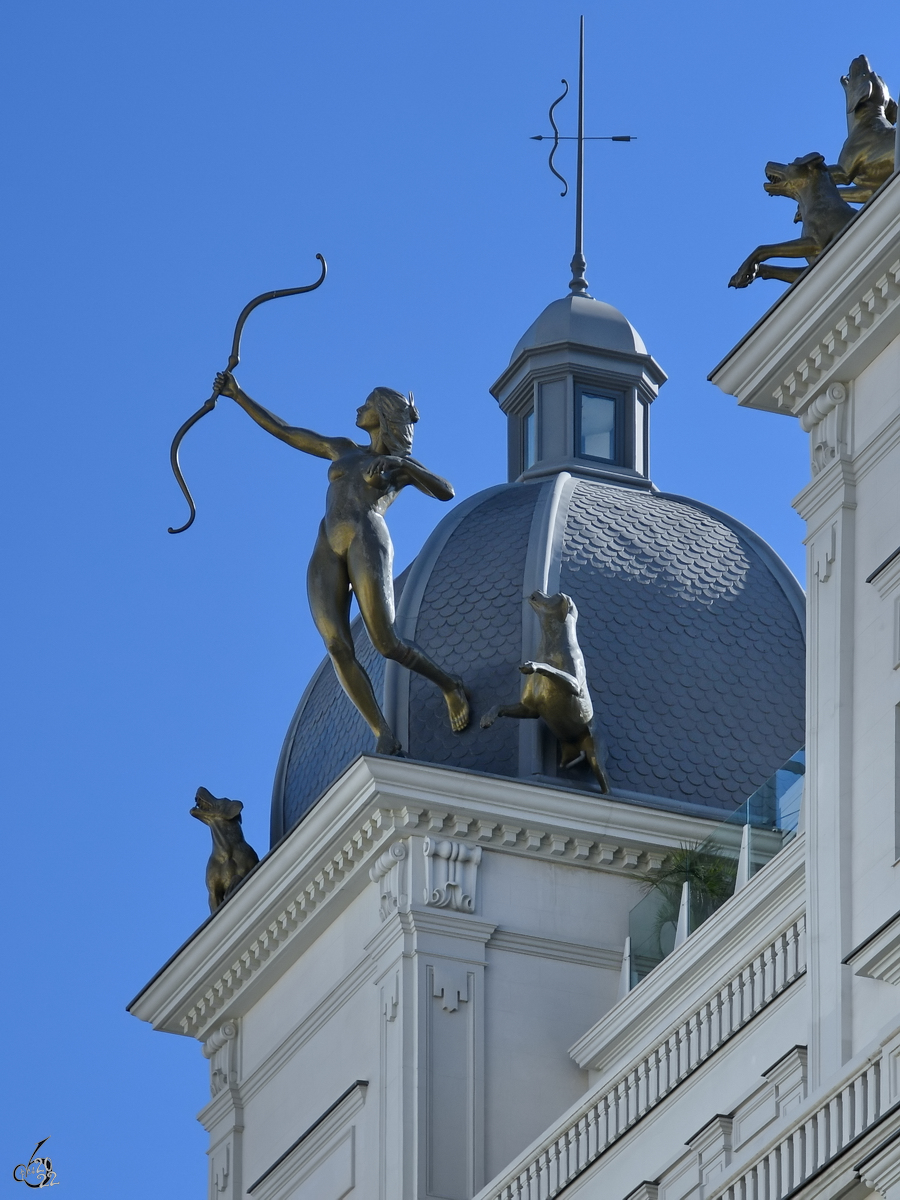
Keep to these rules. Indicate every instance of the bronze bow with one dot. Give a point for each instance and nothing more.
(233, 361)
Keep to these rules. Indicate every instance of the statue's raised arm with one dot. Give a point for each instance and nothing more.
(300, 439)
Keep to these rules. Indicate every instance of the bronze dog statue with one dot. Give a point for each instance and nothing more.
(867, 156)
(821, 209)
(556, 686)
(232, 858)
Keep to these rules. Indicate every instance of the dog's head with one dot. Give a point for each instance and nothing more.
(210, 809)
(789, 179)
(556, 607)
(862, 85)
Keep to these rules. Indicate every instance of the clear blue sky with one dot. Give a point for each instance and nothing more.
(162, 163)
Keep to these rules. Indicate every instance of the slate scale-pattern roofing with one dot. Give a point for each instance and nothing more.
(691, 629)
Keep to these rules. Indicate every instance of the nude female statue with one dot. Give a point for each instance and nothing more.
(353, 552)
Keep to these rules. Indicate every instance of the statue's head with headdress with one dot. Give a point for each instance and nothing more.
(397, 414)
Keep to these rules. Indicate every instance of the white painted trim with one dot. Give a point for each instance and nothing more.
(609, 1111)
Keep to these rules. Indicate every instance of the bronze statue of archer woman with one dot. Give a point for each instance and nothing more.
(354, 553)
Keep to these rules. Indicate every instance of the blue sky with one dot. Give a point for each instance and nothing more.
(163, 163)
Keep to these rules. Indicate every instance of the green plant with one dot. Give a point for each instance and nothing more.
(710, 873)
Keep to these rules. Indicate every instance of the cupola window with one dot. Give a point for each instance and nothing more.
(597, 426)
(529, 441)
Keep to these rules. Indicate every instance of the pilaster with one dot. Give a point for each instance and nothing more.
(223, 1117)
(828, 505)
(429, 960)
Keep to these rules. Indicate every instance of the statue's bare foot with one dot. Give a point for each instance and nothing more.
(388, 744)
(458, 707)
(489, 718)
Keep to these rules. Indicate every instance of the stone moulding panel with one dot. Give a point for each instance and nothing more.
(322, 1164)
(581, 955)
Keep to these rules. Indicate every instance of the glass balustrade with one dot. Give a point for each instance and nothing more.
(697, 879)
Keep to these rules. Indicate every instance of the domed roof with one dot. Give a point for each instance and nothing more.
(691, 628)
(583, 321)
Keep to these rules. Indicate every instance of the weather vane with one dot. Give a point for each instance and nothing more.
(578, 284)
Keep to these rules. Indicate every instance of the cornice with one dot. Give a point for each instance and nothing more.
(830, 324)
(322, 865)
(458, 926)
(224, 1105)
(594, 370)
(773, 899)
(644, 363)
(541, 947)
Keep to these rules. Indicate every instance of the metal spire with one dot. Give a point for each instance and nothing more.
(578, 284)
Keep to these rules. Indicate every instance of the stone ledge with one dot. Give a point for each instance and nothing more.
(322, 865)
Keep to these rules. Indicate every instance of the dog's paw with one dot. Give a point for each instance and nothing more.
(744, 276)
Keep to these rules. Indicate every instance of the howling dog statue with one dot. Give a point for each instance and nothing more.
(555, 687)
(231, 857)
(867, 156)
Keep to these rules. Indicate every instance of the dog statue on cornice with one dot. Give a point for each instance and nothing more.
(824, 214)
(232, 858)
(866, 159)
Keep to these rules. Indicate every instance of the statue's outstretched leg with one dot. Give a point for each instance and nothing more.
(369, 569)
(328, 586)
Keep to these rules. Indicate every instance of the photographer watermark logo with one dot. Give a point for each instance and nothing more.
(37, 1172)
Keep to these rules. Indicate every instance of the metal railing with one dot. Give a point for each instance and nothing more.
(605, 1119)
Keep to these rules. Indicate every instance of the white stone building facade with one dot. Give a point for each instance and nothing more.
(418, 992)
